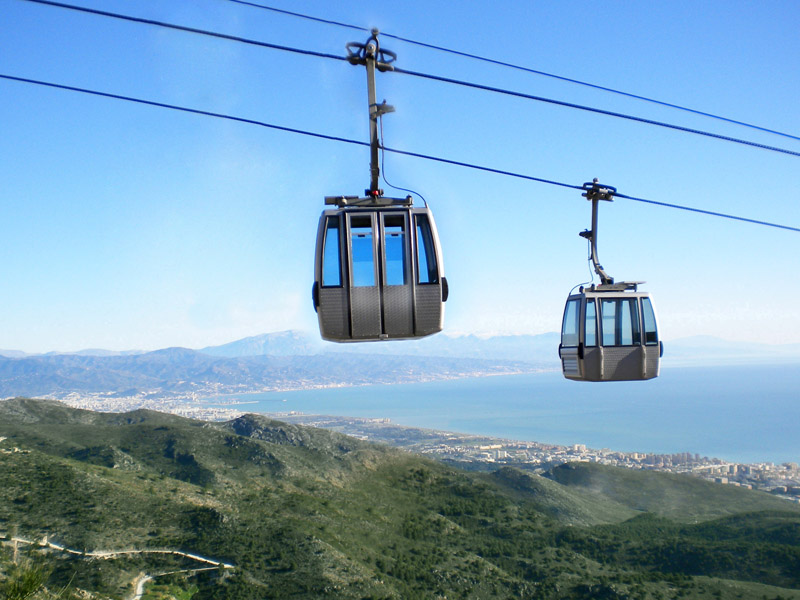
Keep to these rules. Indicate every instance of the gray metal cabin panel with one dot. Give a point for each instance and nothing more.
(652, 362)
(365, 312)
(428, 309)
(570, 363)
(592, 364)
(622, 363)
(334, 314)
(570, 366)
(398, 313)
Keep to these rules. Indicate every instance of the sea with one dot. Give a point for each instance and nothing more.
(745, 413)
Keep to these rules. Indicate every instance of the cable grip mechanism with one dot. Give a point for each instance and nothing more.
(357, 54)
(599, 192)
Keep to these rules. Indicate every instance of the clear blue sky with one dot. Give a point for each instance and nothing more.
(125, 226)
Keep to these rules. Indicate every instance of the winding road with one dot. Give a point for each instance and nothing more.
(142, 578)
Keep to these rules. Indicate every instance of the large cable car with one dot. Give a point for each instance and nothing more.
(378, 272)
(609, 331)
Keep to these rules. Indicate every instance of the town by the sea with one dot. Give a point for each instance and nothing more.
(745, 414)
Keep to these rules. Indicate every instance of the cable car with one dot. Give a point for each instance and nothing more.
(378, 272)
(609, 331)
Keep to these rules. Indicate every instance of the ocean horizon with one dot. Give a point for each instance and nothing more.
(742, 413)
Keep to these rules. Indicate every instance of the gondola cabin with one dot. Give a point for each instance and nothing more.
(378, 272)
(610, 334)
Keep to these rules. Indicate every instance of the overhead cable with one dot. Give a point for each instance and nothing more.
(143, 21)
(578, 187)
(418, 74)
(519, 68)
(361, 143)
(195, 111)
(595, 110)
(307, 17)
(706, 212)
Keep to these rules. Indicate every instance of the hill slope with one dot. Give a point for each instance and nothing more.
(302, 512)
(677, 497)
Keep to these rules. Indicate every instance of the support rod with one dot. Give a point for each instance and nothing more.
(373, 57)
(595, 193)
(374, 165)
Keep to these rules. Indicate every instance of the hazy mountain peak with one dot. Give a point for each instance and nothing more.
(174, 353)
(281, 343)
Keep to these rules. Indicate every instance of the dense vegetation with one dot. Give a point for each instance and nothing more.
(307, 513)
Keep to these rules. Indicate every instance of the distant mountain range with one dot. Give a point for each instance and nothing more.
(181, 372)
(541, 349)
(526, 348)
(706, 350)
(292, 359)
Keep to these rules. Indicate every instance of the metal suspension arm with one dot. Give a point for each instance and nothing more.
(594, 193)
(373, 57)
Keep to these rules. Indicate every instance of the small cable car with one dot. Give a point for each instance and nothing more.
(609, 331)
(378, 272)
(610, 334)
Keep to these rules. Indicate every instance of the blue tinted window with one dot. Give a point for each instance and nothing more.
(331, 255)
(427, 271)
(620, 320)
(591, 323)
(631, 331)
(650, 330)
(569, 327)
(362, 251)
(394, 231)
(608, 310)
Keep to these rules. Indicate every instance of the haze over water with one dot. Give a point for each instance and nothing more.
(743, 414)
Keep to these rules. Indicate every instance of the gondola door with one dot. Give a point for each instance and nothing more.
(397, 292)
(621, 353)
(579, 352)
(379, 273)
(592, 354)
(569, 348)
(365, 295)
(430, 286)
(653, 347)
(330, 294)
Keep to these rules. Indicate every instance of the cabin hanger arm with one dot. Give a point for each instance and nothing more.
(594, 193)
(373, 57)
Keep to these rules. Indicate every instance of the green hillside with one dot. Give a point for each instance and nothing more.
(678, 497)
(307, 513)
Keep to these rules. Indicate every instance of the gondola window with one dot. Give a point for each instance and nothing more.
(591, 323)
(363, 251)
(650, 330)
(569, 329)
(332, 269)
(620, 320)
(427, 271)
(394, 228)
